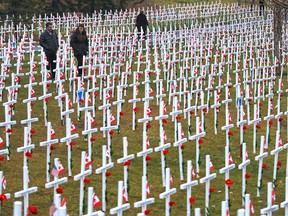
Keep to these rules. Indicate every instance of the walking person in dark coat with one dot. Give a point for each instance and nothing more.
(79, 43)
(261, 7)
(141, 23)
(49, 42)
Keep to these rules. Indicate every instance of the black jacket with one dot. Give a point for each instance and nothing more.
(49, 41)
(141, 21)
(80, 46)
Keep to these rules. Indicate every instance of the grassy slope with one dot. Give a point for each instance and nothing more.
(214, 145)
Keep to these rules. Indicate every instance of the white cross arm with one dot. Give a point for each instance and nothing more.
(118, 102)
(188, 184)
(180, 142)
(167, 193)
(56, 182)
(49, 142)
(145, 152)
(9, 102)
(134, 100)
(162, 147)
(275, 151)
(127, 158)
(28, 100)
(120, 208)
(109, 128)
(103, 107)
(226, 127)
(4, 151)
(161, 117)
(74, 136)
(227, 168)
(144, 202)
(97, 213)
(43, 97)
(197, 136)
(247, 162)
(7, 123)
(284, 204)
(93, 130)
(67, 112)
(104, 168)
(278, 115)
(81, 175)
(145, 119)
(25, 148)
(26, 192)
(259, 157)
(269, 209)
(254, 121)
(26, 121)
(207, 178)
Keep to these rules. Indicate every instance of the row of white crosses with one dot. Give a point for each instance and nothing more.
(145, 111)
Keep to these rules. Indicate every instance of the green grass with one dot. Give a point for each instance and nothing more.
(213, 145)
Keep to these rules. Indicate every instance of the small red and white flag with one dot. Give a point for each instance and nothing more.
(246, 155)
(136, 90)
(230, 158)
(149, 111)
(193, 172)
(33, 77)
(33, 93)
(178, 105)
(96, 201)
(124, 195)
(251, 208)
(165, 109)
(147, 189)
(1, 142)
(112, 119)
(164, 137)
(273, 197)
(16, 79)
(171, 179)
(265, 146)
(63, 202)
(52, 132)
(211, 165)
(151, 92)
(4, 183)
(88, 160)
(89, 100)
(200, 127)
(107, 97)
(182, 133)
(108, 153)
(229, 118)
(92, 122)
(280, 143)
(72, 127)
(70, 103)
(147, 142)
(60, 168)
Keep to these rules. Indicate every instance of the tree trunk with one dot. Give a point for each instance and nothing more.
(277, 9)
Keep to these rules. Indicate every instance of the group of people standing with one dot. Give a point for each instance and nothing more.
(78, 42)
(50, 44)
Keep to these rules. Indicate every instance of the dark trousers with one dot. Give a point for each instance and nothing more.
(80, 63)
(261, 7)
(51, 57)
(139, 32)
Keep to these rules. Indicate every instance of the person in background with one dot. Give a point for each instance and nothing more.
(49, 42)
(261, 7)
(141, 23)
(79, 43)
